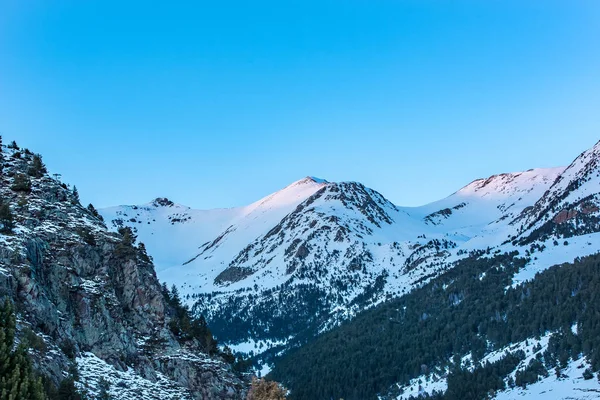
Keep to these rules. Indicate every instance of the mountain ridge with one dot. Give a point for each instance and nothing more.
(337, 247)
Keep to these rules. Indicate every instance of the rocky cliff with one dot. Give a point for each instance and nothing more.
(91, 298)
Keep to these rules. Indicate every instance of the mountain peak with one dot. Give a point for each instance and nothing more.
(508, 183)
(309, 180)
(162, 202)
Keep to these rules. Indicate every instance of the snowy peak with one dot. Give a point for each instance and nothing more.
(571, 205)
(507, 184)
(316, 180)
(292, 194)
(576, 181)
(355, 196)
(162, 202)
(500, 198)
(344, 213)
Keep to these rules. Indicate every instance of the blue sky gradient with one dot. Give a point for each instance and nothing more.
(216, 104)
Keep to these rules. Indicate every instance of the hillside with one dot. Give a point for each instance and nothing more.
(467, 334)
(88, 299)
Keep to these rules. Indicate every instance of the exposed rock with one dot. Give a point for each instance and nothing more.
(302, 251)
(564, 216)
(233, 274)
(83, 288)
(163, 202)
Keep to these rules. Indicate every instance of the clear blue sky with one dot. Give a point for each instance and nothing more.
(220, 103)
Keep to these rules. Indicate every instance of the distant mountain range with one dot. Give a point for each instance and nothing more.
(276, 273)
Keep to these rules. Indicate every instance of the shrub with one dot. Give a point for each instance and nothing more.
(68, 349)
(32, 340)
(21, 183)
(265, 390)
(87, 236)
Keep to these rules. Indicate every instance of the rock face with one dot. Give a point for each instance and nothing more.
(86, 291)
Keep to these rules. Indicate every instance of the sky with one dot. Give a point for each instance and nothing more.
(217, 104)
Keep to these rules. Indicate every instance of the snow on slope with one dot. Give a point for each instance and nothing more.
(192, 247)
(319, 252)
(171, 232)
(174, 233)
(571, 204)
(127, 384)
(499, 197)
(436, 382)
(124, 385)
(571, 384)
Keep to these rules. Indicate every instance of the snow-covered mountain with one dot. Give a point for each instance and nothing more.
(177, 233)
(501, 196)
(572, 204)
(317, 252)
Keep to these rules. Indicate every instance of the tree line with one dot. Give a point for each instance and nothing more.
(469, 309)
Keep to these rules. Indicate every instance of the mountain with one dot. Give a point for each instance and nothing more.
(485, 293)
(572, 204)
(498, 197)
(275, 274)
(89, 299)
(175, 233)
(515, 317)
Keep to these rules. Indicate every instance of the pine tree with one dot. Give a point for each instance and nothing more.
(129, 237)
(125, 248)
(165, 291)
(94, 212)
(175, 299)
(17, 380)
(7, 335)
(75, 195)
(37, 169)
(143, 253)
(7, 223)
(68, 391)
(1, 156)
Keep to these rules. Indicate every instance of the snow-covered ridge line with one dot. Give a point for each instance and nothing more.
(342, 247)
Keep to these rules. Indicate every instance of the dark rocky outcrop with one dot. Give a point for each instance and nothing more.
(85, 290)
